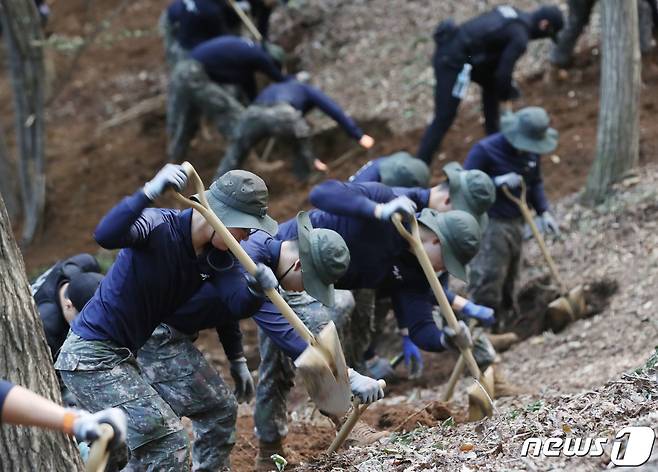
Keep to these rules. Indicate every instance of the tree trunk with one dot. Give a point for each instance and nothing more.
(22, 31)
(617, 141)
(25, 360)
(7, 178)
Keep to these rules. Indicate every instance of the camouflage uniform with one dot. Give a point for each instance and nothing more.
(192, 94)
(174, 52)
(258, 122)
(495, 268)
(276, 371)
(103, 375)
(185, 380)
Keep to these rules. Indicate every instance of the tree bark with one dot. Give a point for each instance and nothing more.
(25, 360)
(24, 39)
(7, 178)
(617, 141)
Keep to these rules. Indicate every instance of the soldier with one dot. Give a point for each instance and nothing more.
(279, 111)
(579, 13)
(485, 48)
(400, 169)
(198, 85)
(508, 158)
(162, 264)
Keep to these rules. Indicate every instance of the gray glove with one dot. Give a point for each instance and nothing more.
(262, 280)
(402, 204)
(511, 180)
(457, 340)
(365, 388)
(549, 224)
(244, 383)
(380, 368)
(86, 427)
(171, 175)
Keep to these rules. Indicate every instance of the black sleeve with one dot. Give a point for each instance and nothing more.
(55, 326)
(230, 336)
(514, 49)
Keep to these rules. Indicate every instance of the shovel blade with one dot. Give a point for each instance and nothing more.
(324, 372)
(576, 299)
(560, 314)
(479, 404)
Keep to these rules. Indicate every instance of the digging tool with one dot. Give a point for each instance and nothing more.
(98, 453)
(346, 429)
(247, 22)
(457, 372)
(480, 403)
(571, 304)
(322, 365)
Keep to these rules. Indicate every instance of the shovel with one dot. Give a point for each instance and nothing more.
(480, 403)
(322, 365)
(98, 454)
(571, 304)
(346, 429)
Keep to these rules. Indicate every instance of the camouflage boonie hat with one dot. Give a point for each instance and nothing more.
(459, 234)
(472, 191)
(239, 198)
(324, 257)
(528, 130)
(401, 169)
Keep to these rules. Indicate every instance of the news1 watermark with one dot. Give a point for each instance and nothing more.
(631, 446)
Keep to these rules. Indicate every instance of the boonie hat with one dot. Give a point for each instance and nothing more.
(401, 169)
(472, 191)
(528, 130)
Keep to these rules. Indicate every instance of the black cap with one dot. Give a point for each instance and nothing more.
(82, 287)
(554, 16)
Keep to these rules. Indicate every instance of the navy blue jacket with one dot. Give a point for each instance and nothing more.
(235, 60)
(495, 156)
(369, 172)
(5, 387)
(197, 21)
(153, 275)
(304, 98)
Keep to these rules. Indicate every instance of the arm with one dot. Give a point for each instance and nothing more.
(331, 108)
(413, 310)
(123, 225)
(420, 196)
(231, 338)
(267, 66)
(536, 195)
(348, 199)
(278, 329)
(55, 326)
(512, 52)
(476, 159)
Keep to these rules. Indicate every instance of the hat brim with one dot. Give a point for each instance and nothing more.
(450, 261)
(509, 128)
(313, 284)
(233, 218)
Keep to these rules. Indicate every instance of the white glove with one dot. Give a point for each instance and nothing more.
(86, 427)
(510, 180)
(402, 204)
(244, 384)
(457, 340)
(365, 388)
(171, 175)
(549, 225)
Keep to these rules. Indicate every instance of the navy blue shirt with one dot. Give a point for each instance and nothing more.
(197, 21)
(5, 387)
(235, 60)
(495, 156)
(369, 172)
(155, 273)
(304, 98)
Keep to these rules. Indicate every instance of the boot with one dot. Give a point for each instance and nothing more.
(503, 341)
(363, 434)
(505, 388)
(264, 462)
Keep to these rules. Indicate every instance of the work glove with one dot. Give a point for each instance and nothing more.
(86, 426)
(380, 368)
(262, 280)
(244, 383)
(403, 205)
(413, 359)
(510, 180)
(483, 314)
(365, 388)
(549, 224)
(171, 175)
(459, 340)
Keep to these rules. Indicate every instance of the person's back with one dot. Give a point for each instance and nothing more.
(291, 92)
(199, 21)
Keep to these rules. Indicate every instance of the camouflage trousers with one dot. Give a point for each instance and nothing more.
(276, 372)
(185, 380)
(174, 52)
(494, 270)
(101, 374)
(193, 94)
(259, 122)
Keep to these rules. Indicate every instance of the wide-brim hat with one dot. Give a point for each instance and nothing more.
(324, 257)
(528, 130)
(472, 191)
(401, 169)
(459, 234)
(239, 199)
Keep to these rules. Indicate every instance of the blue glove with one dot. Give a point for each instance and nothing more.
(413, 359)
(483, 314)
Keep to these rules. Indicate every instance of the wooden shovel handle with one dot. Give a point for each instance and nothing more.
(457, 371)
(237, 251)
(247, 22)
(527, 216)
(98, 453)
(346, 429)
(417, 247)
